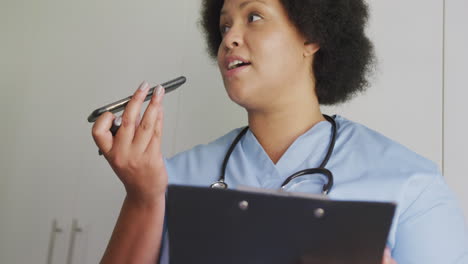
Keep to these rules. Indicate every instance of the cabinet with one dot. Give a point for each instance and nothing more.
(61, 60)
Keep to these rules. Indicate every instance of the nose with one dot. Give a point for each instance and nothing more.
(233, 38)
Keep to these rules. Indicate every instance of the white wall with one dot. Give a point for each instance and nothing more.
(405, 100)
(456, 96)
(61, 59)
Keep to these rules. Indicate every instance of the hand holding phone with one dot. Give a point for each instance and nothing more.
(121, 104)
(134, 153)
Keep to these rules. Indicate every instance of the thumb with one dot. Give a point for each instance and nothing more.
(101, 132)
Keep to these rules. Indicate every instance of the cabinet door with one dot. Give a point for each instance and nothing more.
(144, 40)
(36, 183)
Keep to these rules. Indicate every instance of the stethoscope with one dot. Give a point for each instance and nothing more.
(221, 184)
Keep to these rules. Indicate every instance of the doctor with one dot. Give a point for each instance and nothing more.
(280, 60)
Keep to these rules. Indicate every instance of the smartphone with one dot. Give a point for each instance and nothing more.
(120, 105)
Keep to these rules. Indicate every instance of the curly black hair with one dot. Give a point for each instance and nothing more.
(346, 57)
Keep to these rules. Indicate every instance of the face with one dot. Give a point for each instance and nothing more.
(259, 34)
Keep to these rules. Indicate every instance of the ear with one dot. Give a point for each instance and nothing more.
(310, 48)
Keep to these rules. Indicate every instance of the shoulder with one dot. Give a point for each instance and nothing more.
(380, 168)
(379, 151)
(383, 169)
(194, 165)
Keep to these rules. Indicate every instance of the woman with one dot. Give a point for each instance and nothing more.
(280, 60)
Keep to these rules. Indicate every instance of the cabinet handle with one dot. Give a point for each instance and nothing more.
(53, 233)
(75, 229)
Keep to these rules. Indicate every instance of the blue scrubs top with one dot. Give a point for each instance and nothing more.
(428, 226)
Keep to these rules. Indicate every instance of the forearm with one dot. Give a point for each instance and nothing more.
(137, 234)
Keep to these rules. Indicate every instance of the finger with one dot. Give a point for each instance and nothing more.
(137, 123)
(387, 257)
(154, 146)
(145, 131)
(130, 116)
(101, 133)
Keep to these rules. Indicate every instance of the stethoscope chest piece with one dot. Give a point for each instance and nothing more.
(219, 185)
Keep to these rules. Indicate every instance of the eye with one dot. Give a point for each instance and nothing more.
(254, 17)
(223, 29)
(251, 18)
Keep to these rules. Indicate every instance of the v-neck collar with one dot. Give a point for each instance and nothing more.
(310, 146)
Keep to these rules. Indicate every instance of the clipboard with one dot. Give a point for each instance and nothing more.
(213, 226)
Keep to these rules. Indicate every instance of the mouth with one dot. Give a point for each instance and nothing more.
(237, 64)
(234, 64)
(236, 70)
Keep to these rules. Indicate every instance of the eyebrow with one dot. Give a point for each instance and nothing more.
(243, 4)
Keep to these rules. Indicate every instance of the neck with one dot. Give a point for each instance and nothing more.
(277, 129)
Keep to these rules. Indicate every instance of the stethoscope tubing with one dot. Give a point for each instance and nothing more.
(221, 184)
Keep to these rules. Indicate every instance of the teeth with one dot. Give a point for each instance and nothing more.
(234, 64)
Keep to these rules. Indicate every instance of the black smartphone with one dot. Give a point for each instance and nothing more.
(120, 105)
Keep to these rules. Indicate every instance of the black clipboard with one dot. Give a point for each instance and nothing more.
(213, 226)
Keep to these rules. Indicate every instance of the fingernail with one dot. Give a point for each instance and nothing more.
(159, 90)
(118, 121)
(143, 86)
